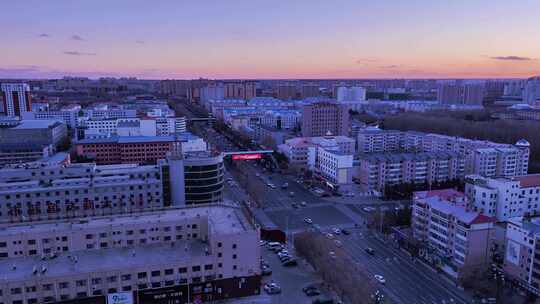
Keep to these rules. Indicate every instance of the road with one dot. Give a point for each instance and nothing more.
(407, 281)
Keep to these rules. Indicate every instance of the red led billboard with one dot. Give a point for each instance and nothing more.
(246, 156)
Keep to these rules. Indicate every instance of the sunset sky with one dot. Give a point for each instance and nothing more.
(270, 39)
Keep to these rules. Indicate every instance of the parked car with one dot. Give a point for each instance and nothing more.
(295, 205)
(338, 243)
(336, 231)
(289, 263)
(303, 204)
(272, 288)
(282, 253)
(345, 232)
(285, 258)
(266, 270)
(329, 235)
(313, 291)
(380, 278)
(262, 243)
(272, 245)
(308, 220)
(370, 251)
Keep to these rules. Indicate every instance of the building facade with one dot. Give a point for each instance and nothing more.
(204, 253)
(16, 98)
(456, 237)
(320, 118)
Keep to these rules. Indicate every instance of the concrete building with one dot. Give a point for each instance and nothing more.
(504, 198)
(319, 118)
(19, 153)
(286, 91)
(201, 254)
(531, 90)
(34, 132)
(68, 116)
(310, 90)
(378, 170)
(109, 113)
(330, 157)
(454, 237)
(159, 126)
(351, 94)
(240, 89)
(16, 98)
(467, 94)
(522, 256)
(203, 175)
(212, 91)
(481, 157)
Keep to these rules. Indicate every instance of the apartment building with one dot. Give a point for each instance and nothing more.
(457, 238)
(16, 98)
(522, 257)
(203, 253)
(504, 198)
(378, 170)
(481, 157)
(319, 118)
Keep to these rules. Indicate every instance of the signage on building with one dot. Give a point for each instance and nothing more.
(246, 156)
(120, 298)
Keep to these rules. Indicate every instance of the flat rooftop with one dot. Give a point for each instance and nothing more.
(36, 124)
(102, 260)
(222, 219)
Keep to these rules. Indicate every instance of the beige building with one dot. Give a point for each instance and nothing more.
(214, 247)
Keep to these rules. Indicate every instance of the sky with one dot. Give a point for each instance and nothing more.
(187, 39)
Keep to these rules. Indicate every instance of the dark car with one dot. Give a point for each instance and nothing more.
(346, 232)
(311, 292)
(290, 263)
(370, 251)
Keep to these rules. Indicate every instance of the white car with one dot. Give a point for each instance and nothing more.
(336, 231)
(338, 243)
(303, 204)
(283, 253)
(329, 235)
(368, 209)
(380, 278)
(308, 220)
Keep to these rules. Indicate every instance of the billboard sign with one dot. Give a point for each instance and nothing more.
(246, 156)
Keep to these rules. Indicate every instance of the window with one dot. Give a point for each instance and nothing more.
(47, 286)
(63, 285)
(126, 277)
(31, 242)
(156, 284)
(89, 236)
(112, 279)
(233, 246)
(208, 267)
(97, 292)
(182, 270)
(96, 281)
(219, 254)
(126, 288)
(15, 291)
(156, 273)
(103, 245)
(219, 244)
(169, 283)
(111, 290)
(169, 271)
(141, 275)
(142, 286)
(234, 256)
(29, 289)
(196, 268)
(81, 294)
(81, 283)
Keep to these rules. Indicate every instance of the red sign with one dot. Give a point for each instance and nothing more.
(246, 156)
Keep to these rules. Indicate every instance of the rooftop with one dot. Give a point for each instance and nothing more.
(459, 211)
(528, 181)
(36, 124)
(102, 260)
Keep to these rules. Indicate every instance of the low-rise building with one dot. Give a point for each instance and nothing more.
(454, 237)
(202, 253)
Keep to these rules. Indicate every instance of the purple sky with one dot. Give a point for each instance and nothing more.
(270, 39)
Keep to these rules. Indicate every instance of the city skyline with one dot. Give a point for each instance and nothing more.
(251, 39)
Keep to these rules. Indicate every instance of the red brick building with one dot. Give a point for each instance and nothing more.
(125, 150)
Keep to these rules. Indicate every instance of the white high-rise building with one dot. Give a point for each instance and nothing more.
(531, 91)
(16, 98)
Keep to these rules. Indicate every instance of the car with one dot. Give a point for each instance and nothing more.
(345, 232)
(257, 175)
(282, 253)
(289, 263)
(291, 194)
(338, 243)
(311, 292)
(303, 204)
(285, 258)
(278, 249)
(329, 235)
(380, 278)
(308, 220)
(368, 209)
(272, 245)
(266, 270)
(285, 185)
(370, 251)
(294, 205)
(336, 231)
(272, 288)
(262, 243)
(310, 286)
